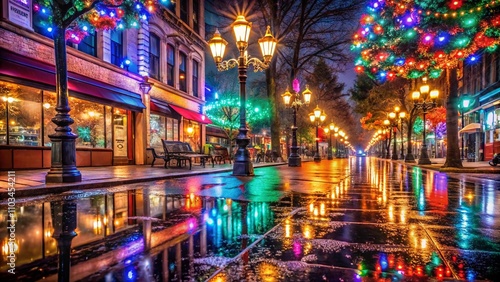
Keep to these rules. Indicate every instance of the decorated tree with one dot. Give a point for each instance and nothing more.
(72, 20)
(225, 113)
(436, 118)
(419, 38)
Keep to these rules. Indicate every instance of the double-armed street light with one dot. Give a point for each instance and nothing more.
(317, 117)
(465, 102)
(424, 99)
(242, 163)
(295, 104)
(402, 116)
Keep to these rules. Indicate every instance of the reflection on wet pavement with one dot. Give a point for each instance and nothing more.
(342, 220)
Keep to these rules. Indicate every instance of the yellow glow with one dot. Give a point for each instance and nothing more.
(287, 96)
(311, 207)
(46, 105)
(322, 209)
(268, 45)
(241, 28)
(423, 243)
(307, 95)
(217, 46)
(315, 211)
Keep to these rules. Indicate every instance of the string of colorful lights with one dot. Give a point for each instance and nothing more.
(105, 15)
(423, 37)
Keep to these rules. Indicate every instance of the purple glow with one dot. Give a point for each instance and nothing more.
(296, 85)
(297, 248)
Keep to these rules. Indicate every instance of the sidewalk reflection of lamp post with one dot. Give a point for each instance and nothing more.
(425, 105)
(465, 103)
(294, 159)
(242, 163)
(317, 117)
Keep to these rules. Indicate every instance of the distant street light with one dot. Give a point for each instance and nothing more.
(317, 117)
(465, 102)
(295, 104)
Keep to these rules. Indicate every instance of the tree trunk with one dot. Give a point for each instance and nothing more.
(274, 99)
(453, 149)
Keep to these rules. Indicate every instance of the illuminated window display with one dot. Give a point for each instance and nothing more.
(162, 127)
(192, 131)
(26, 119)
(20, 115)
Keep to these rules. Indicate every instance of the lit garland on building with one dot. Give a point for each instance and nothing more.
(423, 37)
(105, 15)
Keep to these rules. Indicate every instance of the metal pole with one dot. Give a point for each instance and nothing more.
(242, 164)
(294, 159)
(402, 142)
(462, 136)
(424, 157)
(395, 149)
(330, 156)
(317, 157)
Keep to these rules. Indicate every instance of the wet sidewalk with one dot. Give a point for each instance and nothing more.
(468, 167)
(32, 182)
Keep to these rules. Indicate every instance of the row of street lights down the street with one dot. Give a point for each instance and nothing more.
(242, 163)
(423, 99)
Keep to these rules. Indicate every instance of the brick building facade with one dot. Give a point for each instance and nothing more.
(115, 121)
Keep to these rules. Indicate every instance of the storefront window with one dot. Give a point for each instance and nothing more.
(192, 132)
(20, 115)
(157, 130)
(172, 129)
(49, 111)
(109, 127)
(89, 123)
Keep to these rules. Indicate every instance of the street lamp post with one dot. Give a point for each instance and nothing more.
(387, 129)
(317, 117)
(242, 164)
(465, 103)
(402, 116)
(425, 105)
(330, 129)
(394, 125)
(294, 159)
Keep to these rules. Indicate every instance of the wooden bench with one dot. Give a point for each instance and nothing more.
(220, 154)
(182, 151)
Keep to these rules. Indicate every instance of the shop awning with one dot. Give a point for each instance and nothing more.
(471, 128)
(216, 131)
(191, 115)
(160, 107)
(22, 70)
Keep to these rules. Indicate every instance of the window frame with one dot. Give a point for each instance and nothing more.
(154, 72)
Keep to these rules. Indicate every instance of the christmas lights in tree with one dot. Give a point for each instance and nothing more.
(98, 15)
(423, 37)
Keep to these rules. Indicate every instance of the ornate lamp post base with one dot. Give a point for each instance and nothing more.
(424, 157)
(409, 158)
(294, 161)
(317, 158)
(242, 164)
(63, 160)
(244, 168)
